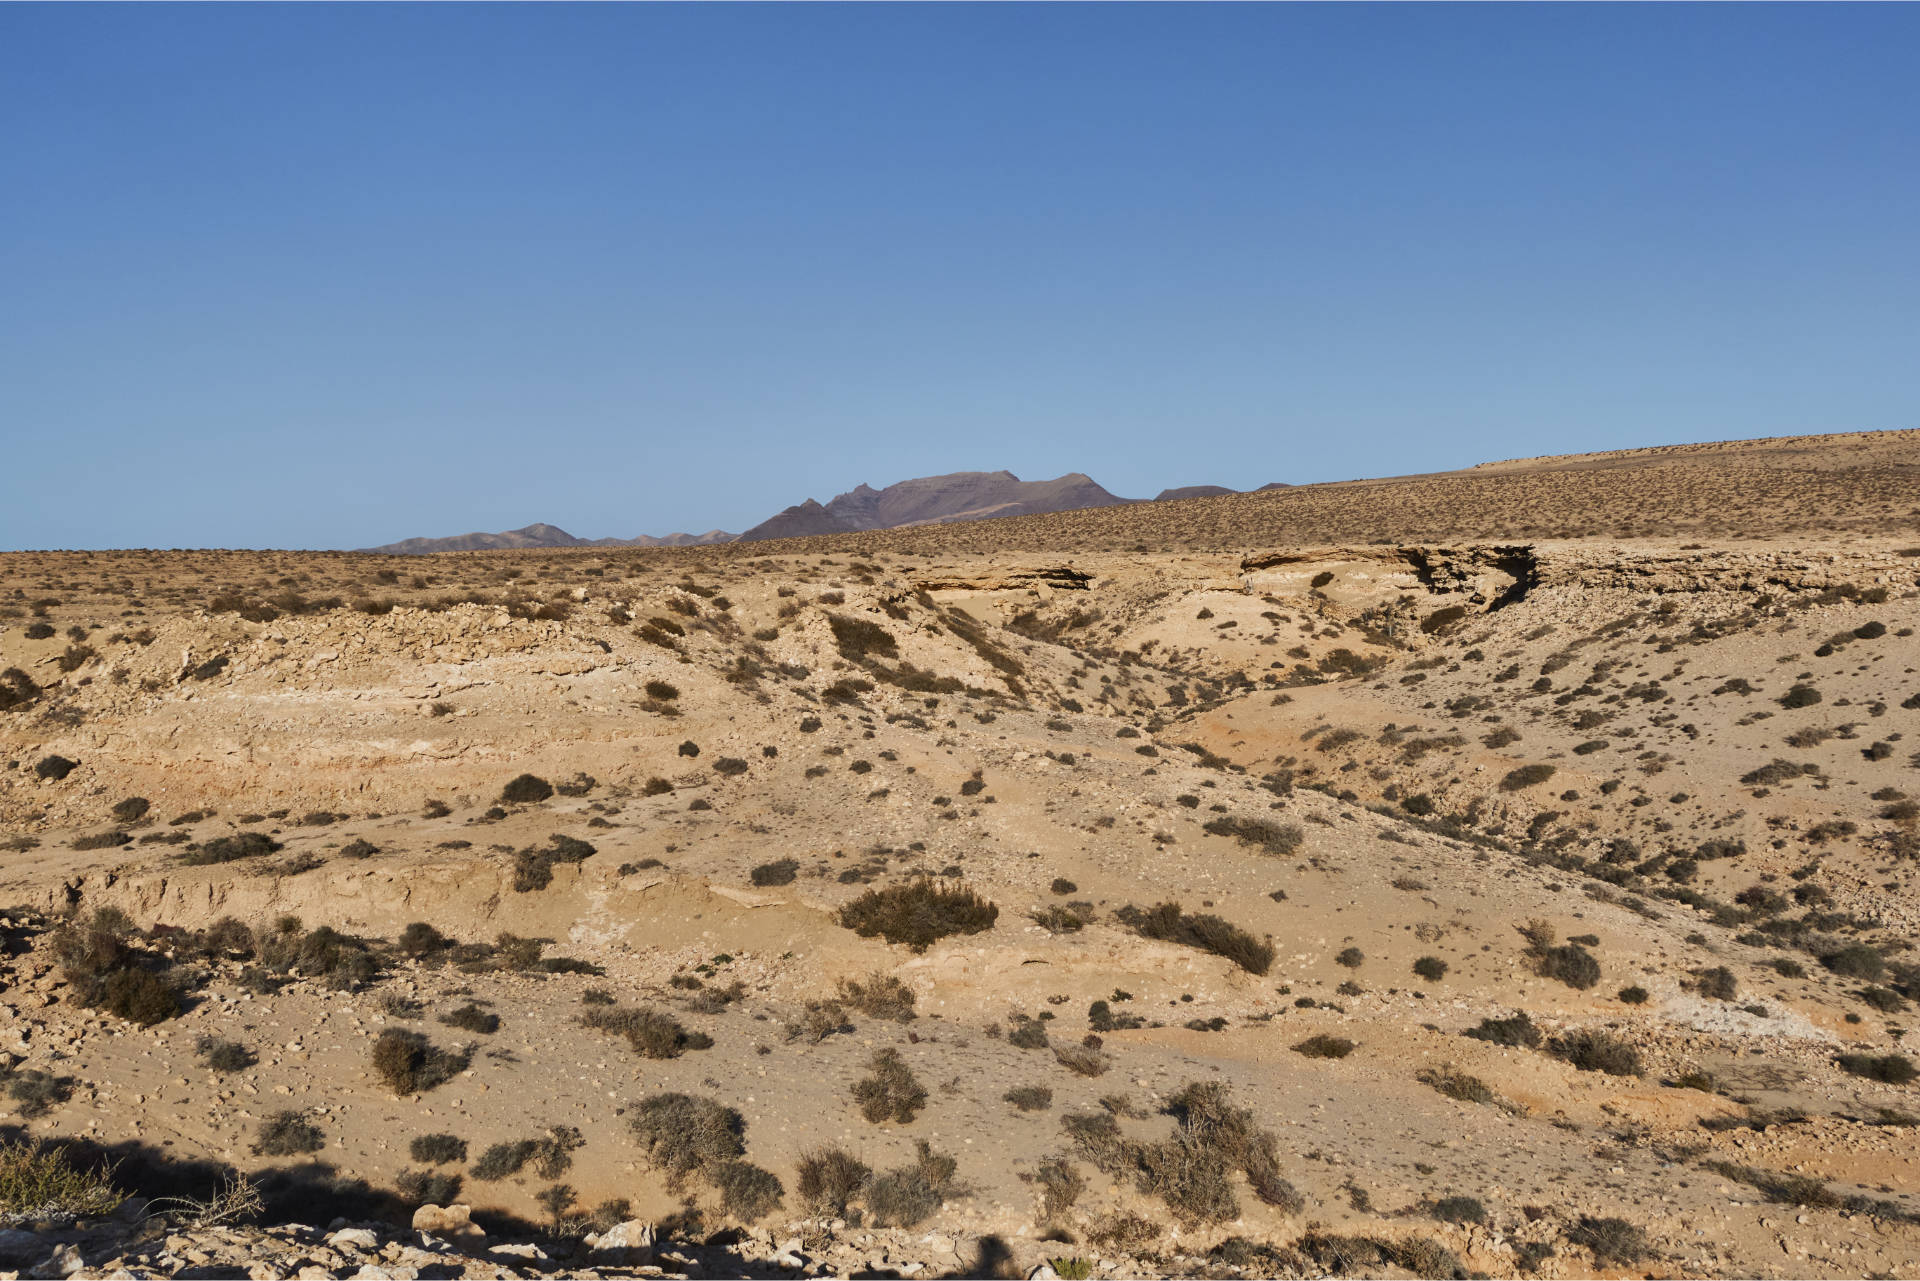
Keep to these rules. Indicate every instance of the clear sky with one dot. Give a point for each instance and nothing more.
(329, 276)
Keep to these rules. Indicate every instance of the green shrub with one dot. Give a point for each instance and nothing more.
(44, 1184)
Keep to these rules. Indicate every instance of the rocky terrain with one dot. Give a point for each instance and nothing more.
(1506, 873)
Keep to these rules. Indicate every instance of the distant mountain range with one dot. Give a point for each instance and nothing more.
(541, 535)
(927, 500)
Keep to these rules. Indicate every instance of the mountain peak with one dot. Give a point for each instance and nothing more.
(924, 500)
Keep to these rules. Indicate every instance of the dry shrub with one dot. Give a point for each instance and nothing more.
(227, 849)
(1082, 1060)
(890, 1092)
(830, 1180)
(471, 1018)
(1060, 1183)
(1276, 839)
(527, 789)
(747, 1192)
(438, 1149)
(1456, 1085)
(1191, 1170)
(1322, 1046)
(1168, 923)
(1614, 1242)
(919, 913)
(410, 1064)
(1593, 1051)
(288, 1133)
(651, 1033)
(1516, 1030)
(684, 1134)
(879, 996)
(1030, 1098)
(906, 1195)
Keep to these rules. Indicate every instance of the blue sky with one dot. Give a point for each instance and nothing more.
(328, 276)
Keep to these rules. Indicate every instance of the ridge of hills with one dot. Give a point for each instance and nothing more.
(923, 500)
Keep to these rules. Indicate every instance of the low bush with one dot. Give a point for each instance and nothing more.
(1893, 1069)
(1168, 923)
(228, 849)
(919, 913)
(225, 1056)
(1322, 1046)
(1526, 776)
(1456, 1085)
(890, 1091)
(1030, 1098)
(1593, 1051)
(471, 1018)
(438, 1149)
(1276, 839)
(527, 789)
(651, 1033)
(410, 1064)
(1430, 968)
(1517, 1030)
(288, 1133)
(907, 1195)
(747, 1192)
(780, 872)
(829, 1180)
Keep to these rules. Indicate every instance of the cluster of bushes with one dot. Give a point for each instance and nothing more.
(686, 1136)
(652, 1033)
(831, 1181)
(1277, 839)
(1191, 1170)
(533, 867)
